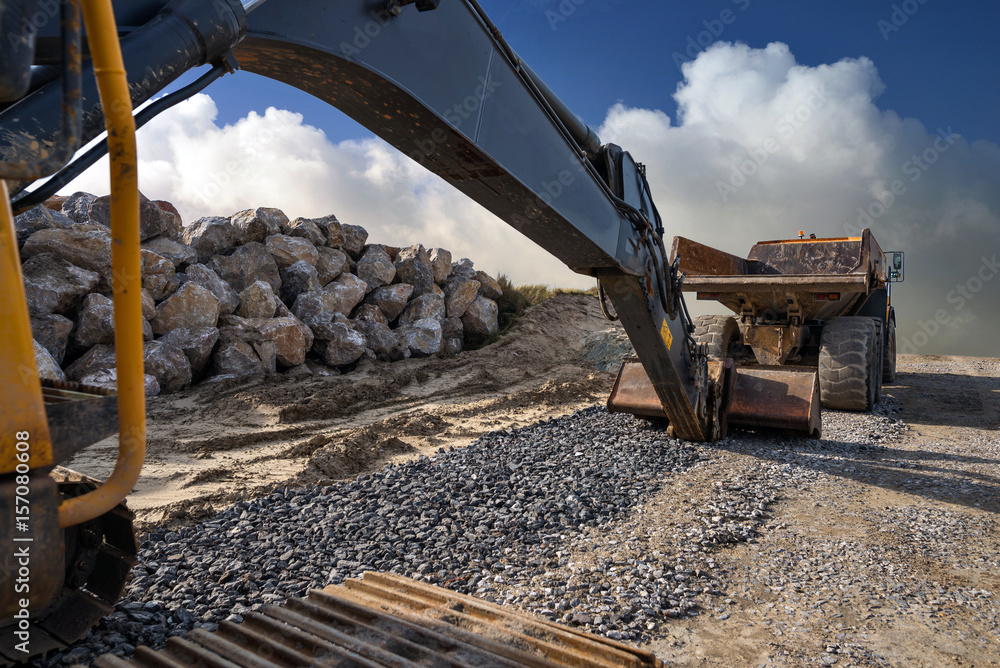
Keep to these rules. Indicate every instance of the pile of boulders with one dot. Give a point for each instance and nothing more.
(254, 293)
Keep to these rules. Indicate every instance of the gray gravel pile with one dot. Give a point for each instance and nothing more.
(500, 509)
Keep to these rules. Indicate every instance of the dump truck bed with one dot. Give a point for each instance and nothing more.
(815, 279)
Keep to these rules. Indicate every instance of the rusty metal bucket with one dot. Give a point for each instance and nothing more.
(776, 397)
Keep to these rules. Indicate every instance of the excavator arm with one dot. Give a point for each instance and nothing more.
(438, 82)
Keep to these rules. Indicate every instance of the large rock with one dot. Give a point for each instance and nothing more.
(38, 218)
(345, 293)
(355, 238)
(47, 367)
(459, 294)
(257, 301)
(480, 320)
(452, 328)
(210, 236)
(248, 263)
(287, 250)
(488, 287)
(319, 306)
(332, 263)
(391, 299)
(375, 268)
(85, 246)
(423, 337)
(172, 219)
(148, 304)
(413, 266)
(99, 358)
(76, 207)
(258, 224)
(52, 331)
(338, 343)
(53, 285)
(168, 364)
(452, 346)
(158, 275)
(369, 312)
(153, 221)
(191, 306)
(307, 334)
(383, 341)
(307, 229)
(313, 308)
(463, 269)
(179, 254)
(332, 230)
(241, 353)
(429, 306)
(108, 379)
(228, 298)
(96, 321)
(288, 337)
(196, 343)
(440, 264)
(297, 278)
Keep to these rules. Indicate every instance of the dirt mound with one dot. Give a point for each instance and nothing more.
(223, 441)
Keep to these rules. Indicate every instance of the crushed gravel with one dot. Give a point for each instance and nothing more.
(605, 523)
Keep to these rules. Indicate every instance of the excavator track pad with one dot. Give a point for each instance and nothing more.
(760, 396)
(387, 620)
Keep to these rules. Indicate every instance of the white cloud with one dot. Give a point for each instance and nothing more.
(762, 147)
(765, 147)
(276, 160)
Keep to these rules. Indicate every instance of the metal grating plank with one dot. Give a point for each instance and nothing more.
(388, 620)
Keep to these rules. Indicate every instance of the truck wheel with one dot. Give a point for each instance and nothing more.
(889, 357)
(718, 333)
(849, 365)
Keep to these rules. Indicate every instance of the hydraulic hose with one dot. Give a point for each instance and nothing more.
(112, 84)
(27, 199)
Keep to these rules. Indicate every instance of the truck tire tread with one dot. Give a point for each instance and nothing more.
(848, 354)
(716, 332)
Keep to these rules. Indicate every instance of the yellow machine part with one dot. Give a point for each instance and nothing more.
(112, 83)
(22, 418)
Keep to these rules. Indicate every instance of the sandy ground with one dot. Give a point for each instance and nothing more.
(862, 516)
(220, 442)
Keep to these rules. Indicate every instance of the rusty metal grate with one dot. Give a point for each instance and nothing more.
(387, 620)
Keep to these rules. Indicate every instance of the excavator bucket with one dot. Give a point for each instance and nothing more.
(776, 397)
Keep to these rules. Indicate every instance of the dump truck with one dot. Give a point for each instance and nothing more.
(821, 307)
(521, 153)
(806, 302)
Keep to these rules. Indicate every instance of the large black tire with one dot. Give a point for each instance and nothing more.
(718, 333)
(889, 355)
(850, 367)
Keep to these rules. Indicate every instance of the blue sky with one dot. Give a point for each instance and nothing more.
(942, 65)
(898, 108)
